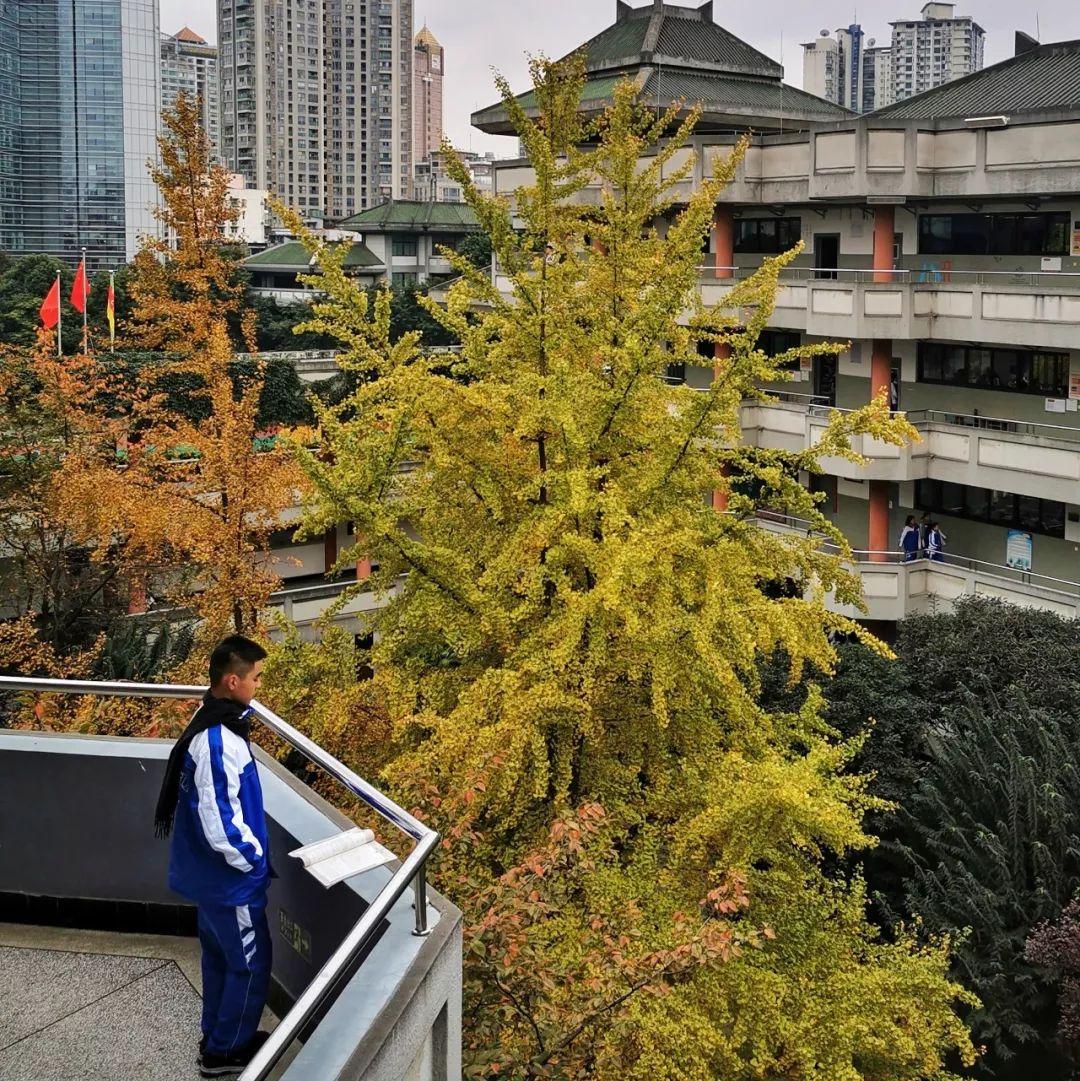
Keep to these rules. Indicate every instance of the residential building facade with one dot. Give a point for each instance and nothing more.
(429, 66)
(79, 114)
(821, 67)
(189, 66)
(945, 249)
(406, 236)
(934, 50)
(316, 100)
(253, 213)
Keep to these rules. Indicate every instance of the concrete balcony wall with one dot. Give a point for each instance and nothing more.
(893, 590)
(1042, 316)
(1025, 462)
(861, 310)
(398, 1017)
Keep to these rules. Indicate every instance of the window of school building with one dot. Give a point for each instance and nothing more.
(1020, 371)
(994, 234)
(767, 235)
(1004, 509)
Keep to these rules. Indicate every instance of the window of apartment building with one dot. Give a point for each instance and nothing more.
(1020, 371)
(767, 235)
(994, 234)
(403, 245)
(1005, 509)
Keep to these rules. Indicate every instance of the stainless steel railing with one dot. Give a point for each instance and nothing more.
(412, 872)
(927, 274)
(789, 523)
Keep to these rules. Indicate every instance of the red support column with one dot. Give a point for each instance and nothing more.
(723, 231)
(884, 231)
(330, 549)
(880, 377)
(363, 569)
(878, 538)
(721, 351)
(880, 366)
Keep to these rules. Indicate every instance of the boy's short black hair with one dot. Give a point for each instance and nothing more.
(235, 654)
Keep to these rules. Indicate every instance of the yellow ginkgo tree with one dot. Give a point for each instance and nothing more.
(577, 638)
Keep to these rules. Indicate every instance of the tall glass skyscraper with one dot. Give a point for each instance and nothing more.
(79, 114)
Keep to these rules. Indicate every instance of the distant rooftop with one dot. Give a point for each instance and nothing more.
(1044, 78)
(426, 38)
(407, 215)
(672, 53)
(293, 256)
(189, 35)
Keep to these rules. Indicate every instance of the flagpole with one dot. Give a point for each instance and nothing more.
(59, 320)
(85, 293)
(112, 321)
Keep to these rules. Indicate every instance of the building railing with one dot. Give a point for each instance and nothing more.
(412, 872)
(993, 424)
(960, 562)
(922, 275)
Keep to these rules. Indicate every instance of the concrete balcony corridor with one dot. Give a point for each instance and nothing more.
(76, 1005)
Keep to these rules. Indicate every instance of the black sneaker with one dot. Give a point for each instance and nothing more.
(214, 1065)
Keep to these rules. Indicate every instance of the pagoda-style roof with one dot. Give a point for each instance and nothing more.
(186, 34)
(676, 53)
(413, 216)
(292, 257)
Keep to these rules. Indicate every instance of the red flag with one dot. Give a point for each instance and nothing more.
(50, 306)
(80, 288)
(110, 309)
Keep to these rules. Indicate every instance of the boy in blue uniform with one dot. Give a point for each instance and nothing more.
(211, 801)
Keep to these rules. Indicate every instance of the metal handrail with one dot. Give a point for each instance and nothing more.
(999, 424)
(962, 562)
(411, 872)
(895, 275)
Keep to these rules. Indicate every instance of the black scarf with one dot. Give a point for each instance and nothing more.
(232, 715)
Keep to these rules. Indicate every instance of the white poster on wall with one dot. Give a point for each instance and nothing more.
(1018, 550)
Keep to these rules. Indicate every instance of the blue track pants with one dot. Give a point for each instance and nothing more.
(235, 973)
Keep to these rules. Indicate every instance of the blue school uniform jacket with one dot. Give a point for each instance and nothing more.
(219, 852)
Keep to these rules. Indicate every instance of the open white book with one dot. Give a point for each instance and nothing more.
(336, 858)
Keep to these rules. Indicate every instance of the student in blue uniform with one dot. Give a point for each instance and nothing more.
(935, 543)
(211, 802)
(909, 539)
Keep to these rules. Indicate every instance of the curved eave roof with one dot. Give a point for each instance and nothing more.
(728, 101)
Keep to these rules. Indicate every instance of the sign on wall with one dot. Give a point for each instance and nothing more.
(1018, 550)
(1074, 385)
(1075, 249)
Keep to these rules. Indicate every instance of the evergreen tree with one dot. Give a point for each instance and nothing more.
(993, 848)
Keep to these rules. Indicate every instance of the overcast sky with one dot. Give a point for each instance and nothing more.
(481, 34)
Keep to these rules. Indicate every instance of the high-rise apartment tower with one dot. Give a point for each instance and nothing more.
(189, 66)
(316, 100)
(934, 50)
(429, 64)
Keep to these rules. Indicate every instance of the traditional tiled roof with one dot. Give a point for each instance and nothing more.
(406, 215)
(189, 35)
(755, 97)
(293, 257)
(674, 53)
(1045, 78)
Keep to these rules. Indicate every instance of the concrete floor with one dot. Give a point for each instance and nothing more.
(96, 1006)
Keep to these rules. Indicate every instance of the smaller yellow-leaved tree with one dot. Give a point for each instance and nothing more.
(180, 481)
(646, 858)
